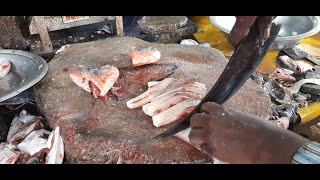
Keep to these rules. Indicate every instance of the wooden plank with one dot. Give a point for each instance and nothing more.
(43, 32)
(55, 23)
(119, 25)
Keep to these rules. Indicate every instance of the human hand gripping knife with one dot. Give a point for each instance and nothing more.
(246, 58)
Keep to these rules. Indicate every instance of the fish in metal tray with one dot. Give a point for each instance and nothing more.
(5, 67)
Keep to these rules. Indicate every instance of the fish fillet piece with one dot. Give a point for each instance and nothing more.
(34, 142)
(175, 112)
(97, 81)
(22, 125)
(154, 110)
(152, 92)
(56, 146)
(193, 87)
(7, 155)
(166, 102)
(26, 130)
(5, 67)
(147, 55)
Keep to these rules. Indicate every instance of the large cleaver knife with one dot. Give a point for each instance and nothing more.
(247, 56)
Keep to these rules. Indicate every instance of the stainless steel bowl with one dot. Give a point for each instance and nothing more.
(293, 29)
(26, 70)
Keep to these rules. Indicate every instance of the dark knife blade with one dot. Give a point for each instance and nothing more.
(246, 58)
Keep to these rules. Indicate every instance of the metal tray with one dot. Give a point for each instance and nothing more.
(26, 70)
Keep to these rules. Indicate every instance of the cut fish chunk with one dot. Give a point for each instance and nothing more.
(175, 112)
(34, 142)
(166, 102)
(98, 81)
(5, 67)
(202, 91)
(148, 95)
(26, 130)
(7, 155)
(141, 56)
(56, 146)
(22, 125)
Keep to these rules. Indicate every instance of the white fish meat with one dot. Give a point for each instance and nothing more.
(152, 92)
(5, 67)
(154, 110)
(303, 65)
(188, 86)
(34, 142)
(26, 130)
(168, 100)
(193, 88)
(162, 104)
(21, 123)
(175, 112)
(184, 136)
(152, 83)
(189, 42)
(7, 155)
(56, 146)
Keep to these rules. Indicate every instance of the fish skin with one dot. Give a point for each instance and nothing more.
(146, 97)
(144, 55)
(97, 81)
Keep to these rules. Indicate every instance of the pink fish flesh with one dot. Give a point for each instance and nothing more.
(96, 81)
(5, 67)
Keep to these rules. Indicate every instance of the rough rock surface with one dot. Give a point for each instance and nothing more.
(161, 24)
(92, 128)
(10, 34)
(172, 36)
